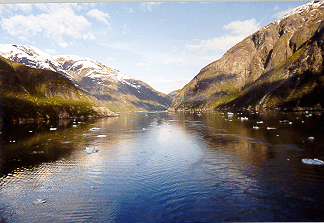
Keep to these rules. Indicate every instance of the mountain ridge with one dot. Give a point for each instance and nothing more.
(268, 57)
(111, 87)
(40, 94)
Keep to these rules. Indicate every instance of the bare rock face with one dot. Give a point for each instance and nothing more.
(252, 71)
(103, 111)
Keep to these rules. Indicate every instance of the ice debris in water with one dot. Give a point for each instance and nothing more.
(101, 136)
(40, 201)
(313, 161)
(90, 150)
(94, 129)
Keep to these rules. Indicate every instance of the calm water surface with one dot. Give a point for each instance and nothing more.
(164, 167)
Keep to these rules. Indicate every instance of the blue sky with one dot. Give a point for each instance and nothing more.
(164, 44)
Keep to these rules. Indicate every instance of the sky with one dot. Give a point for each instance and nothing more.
(164, 44)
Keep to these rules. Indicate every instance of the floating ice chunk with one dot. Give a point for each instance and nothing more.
(311, 138)
(40, 201)
(90, 150)
(269, 128)
(94, 129)
(101, 136)
(53, 129)
(313, 161)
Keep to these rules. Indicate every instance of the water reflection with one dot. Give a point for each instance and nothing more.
(174, 166)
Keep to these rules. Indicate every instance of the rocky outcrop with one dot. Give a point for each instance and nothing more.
(273, 67)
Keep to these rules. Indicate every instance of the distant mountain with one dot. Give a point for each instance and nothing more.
(30, 94)
(279, 66)
(172, 94)
(111, 87)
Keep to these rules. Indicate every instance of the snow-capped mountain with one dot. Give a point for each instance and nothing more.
(112, 87)
(80, 67)
(32, 57)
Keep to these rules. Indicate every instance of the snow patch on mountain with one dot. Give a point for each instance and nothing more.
(32, 57)
(307, 7)
(91, 68)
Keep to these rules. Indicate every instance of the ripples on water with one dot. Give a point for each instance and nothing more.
(164, 167)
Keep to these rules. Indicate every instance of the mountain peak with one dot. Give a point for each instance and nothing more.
(304, 8)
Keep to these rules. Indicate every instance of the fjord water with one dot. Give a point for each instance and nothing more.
(164, 167)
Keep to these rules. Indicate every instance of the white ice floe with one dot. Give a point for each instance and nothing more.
(101, 136)
(90, 150)
(40, 201)
(94, 129)
(313, 161)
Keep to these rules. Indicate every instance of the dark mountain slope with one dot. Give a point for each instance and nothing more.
(274, 67)
(28, 93)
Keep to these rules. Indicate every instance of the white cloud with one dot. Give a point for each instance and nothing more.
(209, 59)
(141, 64)
(23, 38)
(101, 16)
(25, 7)
(148, 6)
(280, 14)
(243, 28)
(125, 29)
(219, 43)
(168, 61)
(146, 65)
(62, 21)
(88, 36)
(130, 10)
(179, 61)
(50, 51)
(166, 85)
(239, 30)
(1, 8)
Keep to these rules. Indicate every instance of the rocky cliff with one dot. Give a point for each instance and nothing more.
(281, 65)
(29, 93)
(111, 87)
